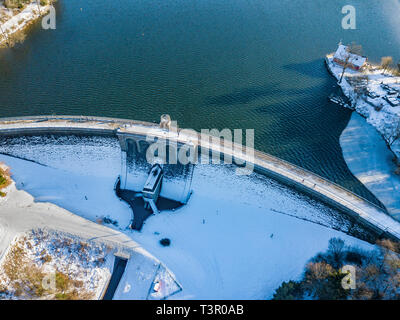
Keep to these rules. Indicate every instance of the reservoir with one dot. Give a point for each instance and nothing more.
(254, 64)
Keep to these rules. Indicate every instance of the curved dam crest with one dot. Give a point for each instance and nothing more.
(361, 209)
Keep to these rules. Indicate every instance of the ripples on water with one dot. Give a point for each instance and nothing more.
(227, 64)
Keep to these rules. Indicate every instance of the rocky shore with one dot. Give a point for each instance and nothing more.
(373, 106)
(14, 20)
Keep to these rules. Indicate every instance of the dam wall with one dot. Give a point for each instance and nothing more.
(363, 211)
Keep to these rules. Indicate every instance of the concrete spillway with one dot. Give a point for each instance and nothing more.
(361, 209)
(118, 271)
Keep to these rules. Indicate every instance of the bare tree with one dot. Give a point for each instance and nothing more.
(395, 134)
(355, 48)
(378, 277)
(346, 64)
(377, 274)
(336, 251)
(16, 37)
(350, 49)
(4, 35)
(38, 5)
(386, 62)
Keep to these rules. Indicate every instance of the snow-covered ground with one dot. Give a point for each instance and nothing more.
(19, 214)
(238, 237)
(86, 265)
(156, 282)
(75, 174)
(365, 141)
(15, 21)
(370, 160)
(238, 242)
(387, 120)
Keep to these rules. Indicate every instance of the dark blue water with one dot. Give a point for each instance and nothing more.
(209, 64)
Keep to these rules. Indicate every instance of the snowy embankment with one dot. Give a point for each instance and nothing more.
(19, 214)
(238, 237)
(365, 141)
(387, 119)
(369, 159)
(77, 176)
(69, 267)
(16, 22)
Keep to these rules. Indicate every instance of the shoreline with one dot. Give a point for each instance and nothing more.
(370, 161)
(385, 120)
(19, 22)
(366, 142)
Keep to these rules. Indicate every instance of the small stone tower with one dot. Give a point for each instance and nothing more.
(165, 122)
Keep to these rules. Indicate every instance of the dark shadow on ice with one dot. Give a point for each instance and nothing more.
(136, 202)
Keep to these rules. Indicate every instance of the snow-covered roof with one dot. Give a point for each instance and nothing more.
(342, 54)
(153, 178)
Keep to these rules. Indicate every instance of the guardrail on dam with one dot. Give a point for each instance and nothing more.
(318, 187)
